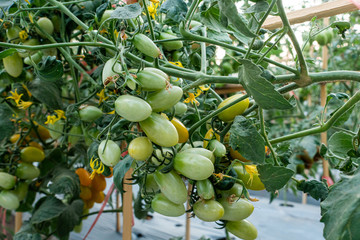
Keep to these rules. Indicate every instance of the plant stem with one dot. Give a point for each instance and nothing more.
(190, 12)
(270, 48)
(57, 45)
(203, 52)
(263, 132)
(149, 20)
(351, 102)
(105, 211)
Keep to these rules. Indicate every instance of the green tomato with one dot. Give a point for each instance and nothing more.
(9, 200)
(151, 81)
(205, 189)
(160, 130)
(106, 15)
(7, 181)
(140, 148)
(146, 45)
(91, 134)
(242, 229)
(21, 190)
(165, 98)
(172, 186)
(27, 171)
(109, 153)
(76, 130)
(56, 20)
(13, 65)
(111, 69)
(208, 210)
(170, 46)
(236, 191)
(180, 108)
(329, 35)
(46, 25)
(258, 44)
(150, 184)
(226, 68)
(133, 109)
(29, 42)
(201, 151)
(32, 154)
(33, 59)
(217, 148)
(156, 71)
(58, 128)
(193, 166)
(236, 210)
(13, 34)
(90, 113)
(164, 206)
(194, 24)
(321, 38)
(230, 113)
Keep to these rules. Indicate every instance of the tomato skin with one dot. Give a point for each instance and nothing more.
(106, 15)
(98, 183)
(180, 108)
(32, 154)
(74, 139)
(108, 73)
(181, 130)
(57, 126)
(160, 130)
(29, 42)
(46, 25)
(151, 81)
(208, 211)
(97, 196)
(230, 113)
(140, 148)
(236, 190)
(203, 152)
(146, 45)
(36, 144)
(173, 45)
(9, 200)
(84, 177)
(85, 193)
(13, 33)
(165, 98)
(7, 181)
(150, 185)
(217, 148)
(172, 186)
(236, 210)
(13, 65)
(27, 171)
(205, 189)
(321, 38)
(165, 207)
(156, 71)
(210, 134)
(21, 190)
(111, 155)
(242, 229)
(133, 109)
(90, 113)
(193, 166)
(35, 58)
(244, 173)
(42, 131)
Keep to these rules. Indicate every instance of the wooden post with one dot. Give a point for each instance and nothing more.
(118, 221)
(18, 221)
(188, 215)
(127, 207)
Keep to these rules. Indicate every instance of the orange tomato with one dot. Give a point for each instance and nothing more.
(98, 183)
(85, 193)
(84, 177)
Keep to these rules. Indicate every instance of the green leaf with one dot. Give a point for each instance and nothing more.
(284, 152)
(65, 181)
(49, 209)
(46, 92)
(101, 9)
(222, 37)
(229, 10)
(119, 172)
(259, 88)
(211, 19)
(274, 177)
(259, 7)
(323, 150)
(127, 12)
(70, 218)
(245, 139)
(341, 209)
(174, 10)
(27, 232)
(342, 26)
(340, 143)
(346, 115)
(6, 126)
(50, 69)
(7, 52)
(317, 190)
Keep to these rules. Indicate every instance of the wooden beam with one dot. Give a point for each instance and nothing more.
(321, 11)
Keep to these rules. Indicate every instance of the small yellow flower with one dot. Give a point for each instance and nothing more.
(27, 1)
(60, 114)
(155, 1)
(27, 90)
(101, 96)
(103, 31)
(152, 9)
(24, 105)
(251, 169)
(192, 99)
(15, 96)
(116, 33)
(31, 18)
(23, 35)
(179, 64)
(204, 88)
(97, 166)
(112, 112)
(51, 119)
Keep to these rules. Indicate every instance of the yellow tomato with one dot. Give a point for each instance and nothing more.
(181, 129)
(32, 154)
(230, 113)
(210, 135)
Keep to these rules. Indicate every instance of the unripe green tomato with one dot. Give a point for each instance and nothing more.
(106, 15)
(193, 166)
(32, 154)
(208, 210)
(226, 68)
(230, 113)
(201, 151)
(172, 186)
(205, 189)
(258, 44)
(46, 25)
(29, 42)
(56, 20)
(21, 190)
(321, 38)
(76, 130)
(170, 46)
(140, 148)
(90, 113)
(58, 126)
(109, 154)
(176, 56)
(242, 229)
(194, 24)
(180, 108)
(156, 71)
(9, 200)
(13, 65)
(7, 181)
(91, 134)
(329, 35)
(236, 210)
(133, 109)
(13, 34)
(35, 58)
(176, 81)
(150, 184)
(27, 171)
(165, 98)
(151, 81)
(111, 69)
(217, 148)
(164, 206)
(78, 227)
(146, 45)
